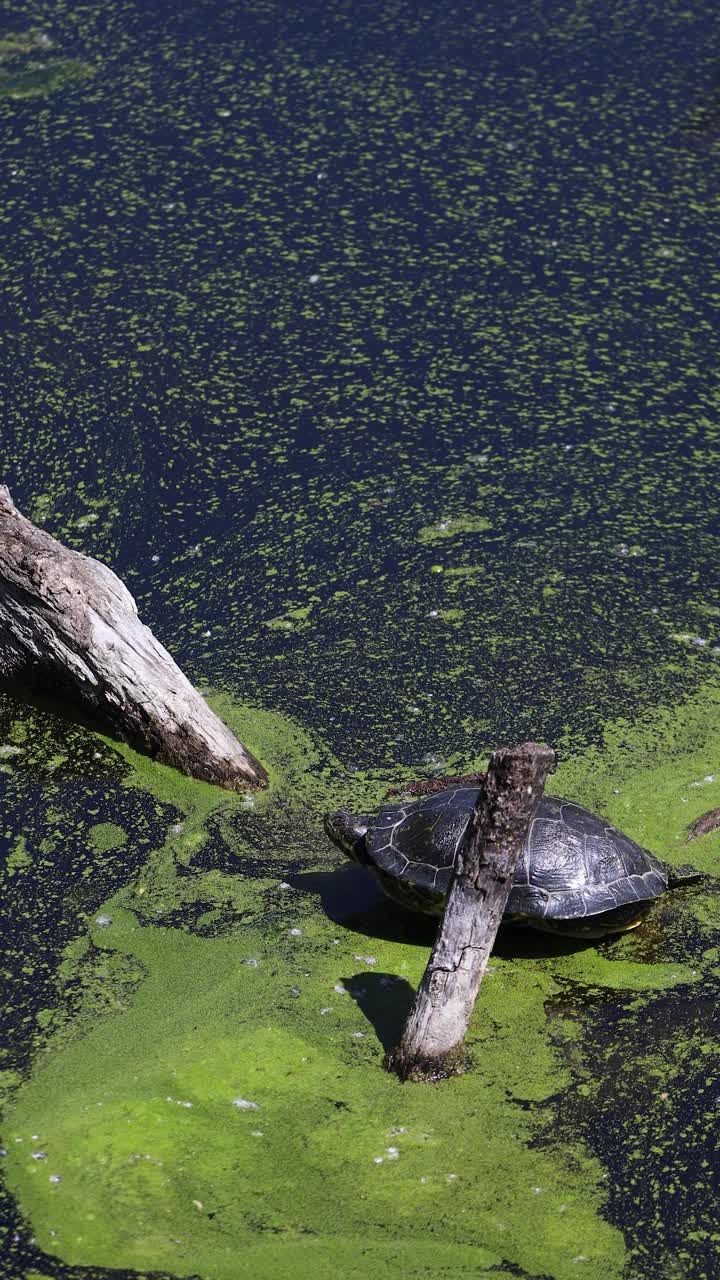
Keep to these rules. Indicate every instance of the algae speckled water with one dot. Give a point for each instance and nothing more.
(375, 345)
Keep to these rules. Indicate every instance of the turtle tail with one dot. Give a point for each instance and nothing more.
(685, 874)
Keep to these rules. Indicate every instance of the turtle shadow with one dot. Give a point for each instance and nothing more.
(385, 1001)
(522, 942)
(351, 897)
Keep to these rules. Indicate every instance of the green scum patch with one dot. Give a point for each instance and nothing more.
(230, 1115)
(36, 80)
(453, 527)
(234, 1104)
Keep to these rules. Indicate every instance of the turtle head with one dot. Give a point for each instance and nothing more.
(348, 833)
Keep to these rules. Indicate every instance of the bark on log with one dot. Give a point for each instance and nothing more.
(69, 628)
(431, 1047)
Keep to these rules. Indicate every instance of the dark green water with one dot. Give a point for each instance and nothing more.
(376, 347)
(514, 319)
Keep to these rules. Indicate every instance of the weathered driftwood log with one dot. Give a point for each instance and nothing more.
(69, 628)
(431, 1046)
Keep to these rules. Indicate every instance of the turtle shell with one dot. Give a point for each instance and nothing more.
(572, 864)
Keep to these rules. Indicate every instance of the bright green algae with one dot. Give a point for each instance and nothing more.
(259, 996)
(205, 1029)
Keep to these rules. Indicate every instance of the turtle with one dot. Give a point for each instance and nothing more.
(576, 874)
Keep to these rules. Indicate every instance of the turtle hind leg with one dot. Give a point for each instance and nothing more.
(603, 925)
(678, 876)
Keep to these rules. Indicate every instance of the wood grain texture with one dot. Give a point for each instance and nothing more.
(69, 628)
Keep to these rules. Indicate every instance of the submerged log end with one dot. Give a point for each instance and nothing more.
(251, 777)
(239, 771)
(421, 1069)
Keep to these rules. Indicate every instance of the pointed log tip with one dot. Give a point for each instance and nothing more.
(250, 776)
(258, 782)
(240, 783)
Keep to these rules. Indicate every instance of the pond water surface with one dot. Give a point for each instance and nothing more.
(376, 347)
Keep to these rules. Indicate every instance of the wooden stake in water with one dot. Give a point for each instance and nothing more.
(432, 1043)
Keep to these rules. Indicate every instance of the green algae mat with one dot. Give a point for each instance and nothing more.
(375, 346)
(207, 1094)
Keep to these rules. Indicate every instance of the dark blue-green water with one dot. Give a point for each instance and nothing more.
(284, 287)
